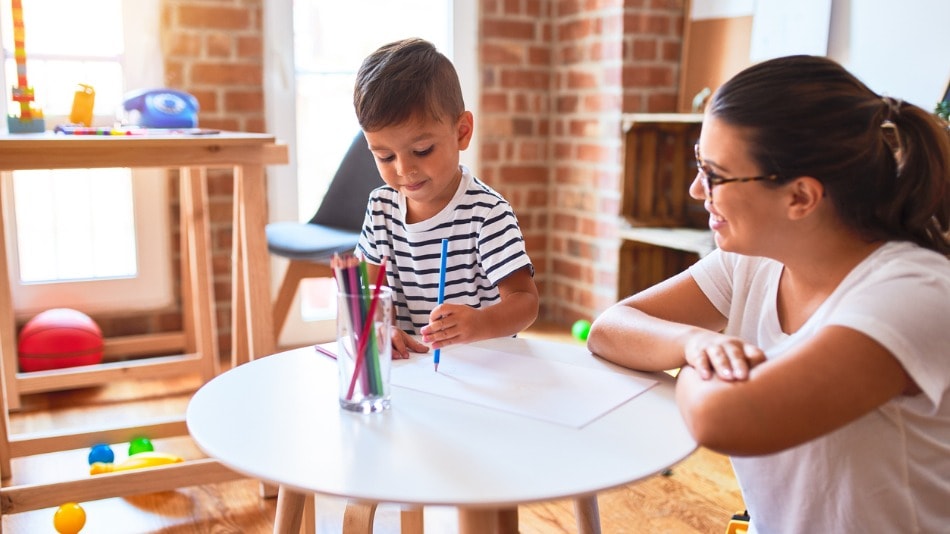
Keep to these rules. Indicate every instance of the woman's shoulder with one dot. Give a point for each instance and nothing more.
(907, 258)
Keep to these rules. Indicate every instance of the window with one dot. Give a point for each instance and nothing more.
(315, 115)
(88, 238)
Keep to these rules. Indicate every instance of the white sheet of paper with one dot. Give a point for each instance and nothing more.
(548, 390)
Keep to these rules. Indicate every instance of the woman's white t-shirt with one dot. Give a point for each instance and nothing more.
(888, 471)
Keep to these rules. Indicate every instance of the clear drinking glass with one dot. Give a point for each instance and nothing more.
(365, 348)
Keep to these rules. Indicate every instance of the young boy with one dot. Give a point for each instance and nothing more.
(409, 104)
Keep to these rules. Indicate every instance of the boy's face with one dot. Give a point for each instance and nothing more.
(420, 159)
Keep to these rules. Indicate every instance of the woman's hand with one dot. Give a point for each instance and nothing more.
(727, 357)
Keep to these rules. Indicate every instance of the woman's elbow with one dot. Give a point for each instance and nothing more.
(708, 420)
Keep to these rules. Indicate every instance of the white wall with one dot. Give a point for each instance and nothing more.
(899, 48)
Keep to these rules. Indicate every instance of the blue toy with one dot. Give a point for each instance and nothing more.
(101, 452)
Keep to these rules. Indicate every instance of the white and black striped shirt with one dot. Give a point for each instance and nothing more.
(485, 246)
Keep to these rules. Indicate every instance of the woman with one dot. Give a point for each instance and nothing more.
(815, 342)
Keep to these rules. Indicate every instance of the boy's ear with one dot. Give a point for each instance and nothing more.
(806, 195)
(464, 128)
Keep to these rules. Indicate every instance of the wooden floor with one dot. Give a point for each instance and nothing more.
(697, 496)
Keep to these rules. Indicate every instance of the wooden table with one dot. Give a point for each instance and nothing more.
(246, 154)
(277, 419)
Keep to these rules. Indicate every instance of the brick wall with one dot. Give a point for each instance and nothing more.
(556, 77)
(214, 50)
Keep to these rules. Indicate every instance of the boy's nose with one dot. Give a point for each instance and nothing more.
(405, 170)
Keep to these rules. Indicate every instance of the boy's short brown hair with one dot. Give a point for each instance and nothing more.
(406, 79)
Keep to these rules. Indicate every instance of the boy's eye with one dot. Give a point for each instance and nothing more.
(386, 159)
(424, 152)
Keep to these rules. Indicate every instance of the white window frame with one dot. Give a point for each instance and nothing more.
(279, 98)
(153, 285)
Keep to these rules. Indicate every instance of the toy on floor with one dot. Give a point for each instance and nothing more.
(580, 329)
(69, 518)
(138, 445)
(141, 454)
(59, 338)
(101, 453)
(136, 461)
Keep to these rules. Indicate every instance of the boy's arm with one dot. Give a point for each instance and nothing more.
(451, 324)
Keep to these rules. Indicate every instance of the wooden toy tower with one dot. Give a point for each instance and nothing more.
(30, 118)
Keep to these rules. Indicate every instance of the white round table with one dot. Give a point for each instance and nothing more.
(278, 419)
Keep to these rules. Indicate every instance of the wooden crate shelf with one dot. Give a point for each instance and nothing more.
(664, 229)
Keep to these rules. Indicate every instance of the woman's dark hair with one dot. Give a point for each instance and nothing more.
(884, 163)
(406, 79)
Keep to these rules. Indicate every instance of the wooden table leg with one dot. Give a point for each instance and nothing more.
(256, 262)
(482, 520)
(309, 516)
(290, 507)
(587, 515)
(508, 521)
(358, 518)
(201, 330)
(8, 338)
(411, 521)
(239, 346)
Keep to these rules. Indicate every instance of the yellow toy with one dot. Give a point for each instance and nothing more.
(135, 461)
(83, 101)
(739, 524)
(69, 518)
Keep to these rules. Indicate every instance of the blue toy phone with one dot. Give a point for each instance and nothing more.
(161, 108)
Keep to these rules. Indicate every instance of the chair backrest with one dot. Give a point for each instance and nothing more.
(344, 205)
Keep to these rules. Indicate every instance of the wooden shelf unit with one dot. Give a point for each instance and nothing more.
(664, 230)
(252, 332)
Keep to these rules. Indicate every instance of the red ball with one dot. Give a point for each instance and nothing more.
(59, 338)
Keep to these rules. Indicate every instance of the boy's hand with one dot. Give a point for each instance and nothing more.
(404, 343)
(451, 324)
(728, 357)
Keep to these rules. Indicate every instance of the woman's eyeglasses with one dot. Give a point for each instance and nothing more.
(711, 179)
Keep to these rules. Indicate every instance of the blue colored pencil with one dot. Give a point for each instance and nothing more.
(445, 252)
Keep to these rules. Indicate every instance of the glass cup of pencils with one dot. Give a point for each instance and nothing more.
(364, 327)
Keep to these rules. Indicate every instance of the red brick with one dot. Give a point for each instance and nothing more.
(179, 43)
(249, 100)
(224, 74)
(503, 53)
(491, 28)
(217, 17)
(219, 44)
(525, 79)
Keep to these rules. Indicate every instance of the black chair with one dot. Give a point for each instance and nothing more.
(334, 228)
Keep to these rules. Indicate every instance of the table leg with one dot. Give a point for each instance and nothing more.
(411, 521)
(8, 335)
(358, 518)
(508, 521)
(488, 521)
(239, 347)
(198, 295)
(587, 515)
(290, 507)
(309, 516)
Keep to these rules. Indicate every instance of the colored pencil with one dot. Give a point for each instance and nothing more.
(367, 332)
(445, 253)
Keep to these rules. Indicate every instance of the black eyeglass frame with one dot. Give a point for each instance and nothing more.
(711, 179)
